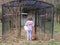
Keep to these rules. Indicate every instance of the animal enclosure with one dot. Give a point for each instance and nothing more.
(15, 14)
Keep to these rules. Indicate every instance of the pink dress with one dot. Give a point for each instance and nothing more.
(29, 24)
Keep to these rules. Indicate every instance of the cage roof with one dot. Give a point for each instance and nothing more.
(28, 4)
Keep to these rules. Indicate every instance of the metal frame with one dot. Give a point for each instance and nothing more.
(41, 4)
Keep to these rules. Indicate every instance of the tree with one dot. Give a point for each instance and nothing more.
(0, 16)
(57, 12)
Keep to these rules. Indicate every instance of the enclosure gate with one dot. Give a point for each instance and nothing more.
(43, 18)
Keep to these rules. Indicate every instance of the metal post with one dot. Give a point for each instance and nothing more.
(3, 37)
(52, 22)
(44, 19)
(38, 17)
(19, 34)
(35, 20)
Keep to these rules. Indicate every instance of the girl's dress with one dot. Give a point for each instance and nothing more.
(29, 26)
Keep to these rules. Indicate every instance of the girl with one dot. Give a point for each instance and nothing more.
(30, 25)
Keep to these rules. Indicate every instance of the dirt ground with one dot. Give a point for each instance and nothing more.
(12, 36)
(57, 37)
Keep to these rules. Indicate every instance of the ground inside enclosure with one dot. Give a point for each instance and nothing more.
(12, 38)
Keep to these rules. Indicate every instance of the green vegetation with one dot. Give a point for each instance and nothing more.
(56, 27)
(57, 11)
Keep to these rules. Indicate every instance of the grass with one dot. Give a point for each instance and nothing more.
(50, 42)
(56, 27)
(34, 43)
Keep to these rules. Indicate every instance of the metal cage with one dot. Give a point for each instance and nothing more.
(13, 19)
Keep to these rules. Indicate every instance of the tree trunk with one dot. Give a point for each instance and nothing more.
(57, 18)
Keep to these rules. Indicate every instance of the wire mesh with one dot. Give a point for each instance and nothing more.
(13, 20)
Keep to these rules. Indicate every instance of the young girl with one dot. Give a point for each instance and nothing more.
(30, 25)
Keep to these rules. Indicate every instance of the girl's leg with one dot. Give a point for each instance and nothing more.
(27, 35)
(30, 35)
